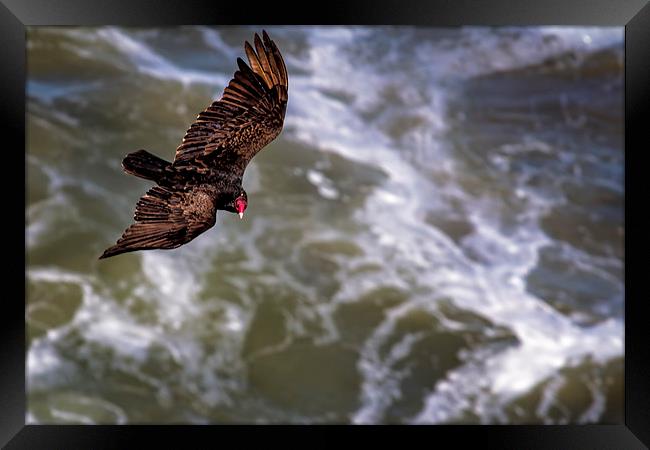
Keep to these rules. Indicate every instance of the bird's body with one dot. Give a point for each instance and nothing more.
(207, 171)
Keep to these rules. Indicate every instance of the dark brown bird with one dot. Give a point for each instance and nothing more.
(207, 171)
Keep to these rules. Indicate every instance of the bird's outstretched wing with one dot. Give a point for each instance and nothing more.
(248, 116)
(167, 219)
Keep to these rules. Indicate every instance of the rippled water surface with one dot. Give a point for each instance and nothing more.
(435, 237)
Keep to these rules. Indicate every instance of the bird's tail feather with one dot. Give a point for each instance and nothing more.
(145, 165)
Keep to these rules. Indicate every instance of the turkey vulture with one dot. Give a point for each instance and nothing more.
(207, 171)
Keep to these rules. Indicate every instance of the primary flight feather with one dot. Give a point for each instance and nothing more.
(207, 171)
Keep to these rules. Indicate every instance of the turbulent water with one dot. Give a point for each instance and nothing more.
(435, 237)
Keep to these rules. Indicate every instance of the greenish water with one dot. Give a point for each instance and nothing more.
(435, 237)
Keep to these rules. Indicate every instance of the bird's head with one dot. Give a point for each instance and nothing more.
(238, 203)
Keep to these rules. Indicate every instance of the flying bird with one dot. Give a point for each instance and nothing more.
(206, 174)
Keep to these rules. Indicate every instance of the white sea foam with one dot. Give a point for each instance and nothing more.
(148, 61)
(213, 38)
(548, 340)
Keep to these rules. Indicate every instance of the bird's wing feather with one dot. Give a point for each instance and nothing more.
(167, 219)
(249, 115)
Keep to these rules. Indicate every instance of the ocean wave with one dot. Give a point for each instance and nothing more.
(366, 201)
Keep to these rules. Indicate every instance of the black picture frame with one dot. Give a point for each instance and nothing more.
(15, 15)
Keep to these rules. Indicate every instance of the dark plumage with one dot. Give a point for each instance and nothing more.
(207, 171)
